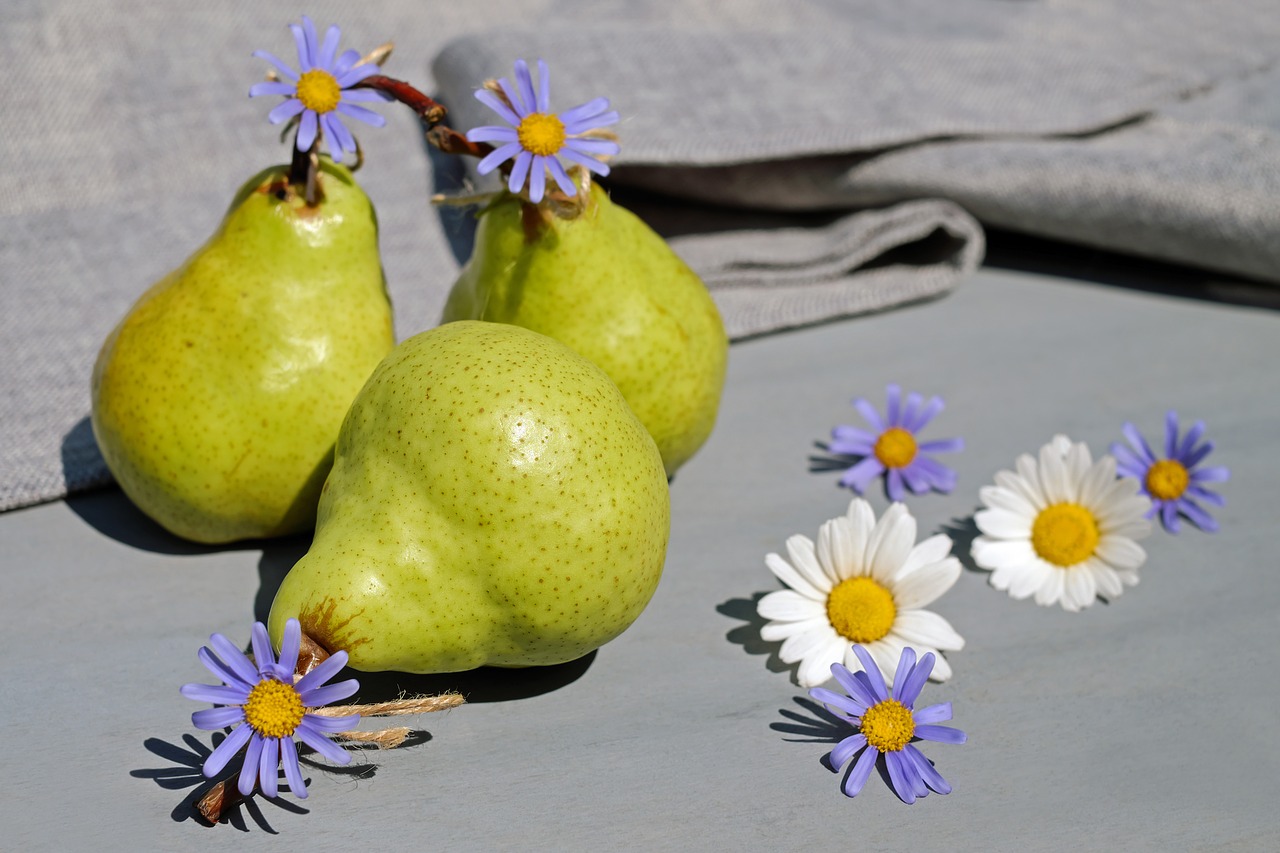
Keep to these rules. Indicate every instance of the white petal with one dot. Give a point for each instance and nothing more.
(925, 584)
(862, 520)
(805, 559)
(1029, 472)
(1077, 464)
(1127, 577)
(1051, 590)
(786, 605)
(1106, 578)
(834, 552)
(1002, 497)
(1054, 476)
(1029, 580)
(941, 668)
(1120, 552)
(1079, 590)
(1060, 444)
(1027, 489)
(1137, 529)
(1094, 483)
(800, 646)
(886, 653)
(918, 628)
(894, 546)
(773, 632)
(932, 550)
(1003, 524)
(815, 669)
(994, 553)
(786, 573)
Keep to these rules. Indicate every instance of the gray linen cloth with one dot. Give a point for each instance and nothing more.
(1144, 125)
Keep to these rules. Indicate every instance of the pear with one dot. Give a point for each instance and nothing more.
(218, 397)
(493, 500)
(610, 288)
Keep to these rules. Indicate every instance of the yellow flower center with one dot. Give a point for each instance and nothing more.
(895, 448)
(861, 610)
(1064, 534)
(888, 725)
(540, 133)
(1167, 479)
(319, 91)
(274, 708)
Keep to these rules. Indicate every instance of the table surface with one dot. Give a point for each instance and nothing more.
(1146, 723)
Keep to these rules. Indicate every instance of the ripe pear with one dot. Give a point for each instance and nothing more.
(218, 397)
(610, 288)
(493, 500)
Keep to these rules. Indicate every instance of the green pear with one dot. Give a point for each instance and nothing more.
(493, 500)
(610, 288)
(217, 399)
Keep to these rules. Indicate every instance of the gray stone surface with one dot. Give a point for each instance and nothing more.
(1144, 724)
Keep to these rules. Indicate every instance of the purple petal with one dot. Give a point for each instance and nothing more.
(263, 655)
(272, 88)
(217, 694)
(1169, 515)
(366, 96)
(519, 171)
(909, 409)
(1189, 440)
(1217, 474)
(344, 136)
(869, 414)
(584, 112)
(321, 744)
(292, 772)
(226, 751)
(874, 678)
(537, 178)
(287, 110)
(497, 157)
(525, 84)
(903, 783)
(365, 115)
(493, 102)
(941, 734)
(1198, 516)
(279, 65)
(916, 478)
(304, 54)
(893, 415)
(327, 669)
(942, 477)
(847, 704)
(329, 48)
(857, 691)
(852, 433)
(493, 133)
(893, 485)
(346, 62)
(583, 160)
(307, 130)
(592, 146)
(329, 693)
(593, 123)
(1139, 443)
(906, 663)
(857, 778)
(1206, 495)
(939, 713)
(313, 42)
(1197, 456)
(249, 770)
(332, 724)
(910, 691)
(544, 89)
(269, 766)
(212, 719)
(234, 659)
(329, 125)
(928, 774)
(1127, 460)
(1170, 434)
(562, 180)
(845, 749)
(860, 476)
(929, 413)
(290, 643)
(224, 672)
(942, 445)
(356, 74)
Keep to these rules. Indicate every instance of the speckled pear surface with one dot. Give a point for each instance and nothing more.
(217, 399)
(605, 284)
(493, 500)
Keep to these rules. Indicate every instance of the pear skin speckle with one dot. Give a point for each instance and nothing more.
(493, 500)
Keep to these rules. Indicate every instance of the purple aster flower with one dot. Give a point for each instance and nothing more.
(887, 724)
(1174, 483)
(537, 137)
(322, 91)
(891, 447)
(268, 709)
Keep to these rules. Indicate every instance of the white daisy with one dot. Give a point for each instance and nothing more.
(1062, 530)
(864, 582)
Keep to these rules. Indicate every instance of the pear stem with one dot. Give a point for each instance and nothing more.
(427, 109)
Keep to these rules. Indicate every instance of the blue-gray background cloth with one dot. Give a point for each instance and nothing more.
(1146, 126)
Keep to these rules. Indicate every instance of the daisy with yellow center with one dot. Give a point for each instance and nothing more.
(269, 709)
(538, 138)
(1177, 484)
(886, 723)
(1062, 528)
(866, 582)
